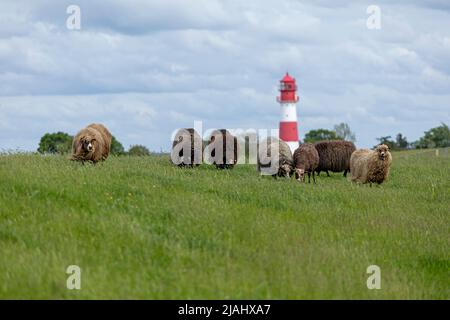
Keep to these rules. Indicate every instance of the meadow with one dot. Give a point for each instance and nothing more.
(140, 228)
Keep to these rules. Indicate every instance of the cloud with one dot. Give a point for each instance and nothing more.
(146, 68)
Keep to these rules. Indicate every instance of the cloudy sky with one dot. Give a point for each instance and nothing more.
(145, 68)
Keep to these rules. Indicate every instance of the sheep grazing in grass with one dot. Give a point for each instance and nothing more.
(370, 166)
(283, 166)
(222, 148)
(187, 148)
(91, 144)
(334, 156)
(306, 159)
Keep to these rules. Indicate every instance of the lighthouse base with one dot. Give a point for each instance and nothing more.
(293, 145)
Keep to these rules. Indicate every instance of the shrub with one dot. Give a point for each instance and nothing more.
(117, 148)
(55, 143)
(138, 151)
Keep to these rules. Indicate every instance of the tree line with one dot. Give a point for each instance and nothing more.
(438, 137)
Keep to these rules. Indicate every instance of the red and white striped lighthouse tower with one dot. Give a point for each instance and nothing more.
(288, 101)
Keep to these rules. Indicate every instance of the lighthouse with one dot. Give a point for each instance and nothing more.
(288, 100)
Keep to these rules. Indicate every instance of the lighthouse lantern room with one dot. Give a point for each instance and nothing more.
(288, 100)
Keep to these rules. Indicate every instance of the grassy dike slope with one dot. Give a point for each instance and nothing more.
(141, 228)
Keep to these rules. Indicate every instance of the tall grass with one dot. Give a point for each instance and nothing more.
(140, 228)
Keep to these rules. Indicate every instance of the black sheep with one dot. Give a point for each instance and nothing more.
(187, 139)
(222, 148)
(334, 156)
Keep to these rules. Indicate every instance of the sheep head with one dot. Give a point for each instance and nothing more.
(89, 145)
(300, 174)
(285, 170)
(383, 151)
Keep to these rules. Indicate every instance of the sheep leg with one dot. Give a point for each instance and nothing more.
(314, 177)
(345, 173)
(309, 177)
(328, 174)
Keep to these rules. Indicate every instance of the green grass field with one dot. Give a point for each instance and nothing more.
(141, 228)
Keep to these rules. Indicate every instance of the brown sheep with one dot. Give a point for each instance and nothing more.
(222, 148)
(334, 156)
(91, 144)
(306, 159)
(185, 140)
(370, 166)
(285, 164)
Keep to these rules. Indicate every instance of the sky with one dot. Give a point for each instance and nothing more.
(147, 68)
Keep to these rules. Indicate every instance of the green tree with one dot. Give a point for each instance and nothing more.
(438, 137)
(117, 148)
(343, 132)
(401, 142)
(58, 142)
(387, 140)
(319, 135)
(139, 151)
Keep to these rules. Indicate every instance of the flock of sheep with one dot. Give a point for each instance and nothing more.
(365, 166)
(93, 144)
